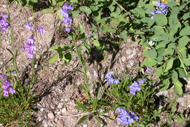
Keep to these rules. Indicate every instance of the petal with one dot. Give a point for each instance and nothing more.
(11, 90)
(40, 29)
(27, 25)
(6, 93)
(1, 76)
(68, 29)
(29, 55)
(30, 40)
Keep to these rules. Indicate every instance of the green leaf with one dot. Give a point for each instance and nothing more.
(158, 30)
(74, 1)
(48, 10)
(186, 16)
(160, 19)
(115, 21)
(168, 51)
(169, 64)
(183, 40)
(165, 85)
(96, 43)
(59, 15)
(140, 11)
(53, 59)
(161, 45)
(185, 31)
(81, 120)
(178, 88)
(53, 2)
(81, 28)
(181, 72)
(53, 48)
(86, 9)
(34, 1)
(123, 35)
(152, 53)
(149, 62)
(75, 13)
(95, 101)
(159, 71)
(173, 29)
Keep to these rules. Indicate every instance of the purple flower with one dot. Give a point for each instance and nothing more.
(111, 81)
(40, 29)
(27, 25)
(162, 8)
(134, 87)
(66, 7)
(68, 29)
(116, 81)
(141, 81)
(4, 16)
(1, 76)
(7, 87)
(3, 22)
(146, 73)
(126, 117)
(148, 68)
(30, 47)
(64, 12)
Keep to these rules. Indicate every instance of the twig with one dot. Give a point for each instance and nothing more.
(76, 114)
(124, 9)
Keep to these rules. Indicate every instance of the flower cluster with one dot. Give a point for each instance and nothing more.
(3, 22)
(161, 8)
(126, 117)
(66, 18)
(136, 86)
(7, 87)
(30, 46)
(110, 78)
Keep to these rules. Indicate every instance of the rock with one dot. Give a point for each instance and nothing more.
(60, 123)
(85, 125)
(129, 51)
(63, 111)
(60, 105)
(50, 115)
(41, 109)
(1, 61)
(123, 58)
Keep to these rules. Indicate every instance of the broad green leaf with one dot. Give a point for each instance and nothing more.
(168, 51)
(149, 62)
(181, 72)
(59, 15)
(183, 40)
(152, 53)
(96, 43)
(169, 64)
(81, 120)
(139, 32)
(53, 2)
(161, 45)
(95, 35)
(183, 51)
(123, 35)
(115, 21)
(75, 13)
(160, 19)
(94, 8)
(158, 30)
(165, 85)
(53, 48)
(140, 11)
(173, 29)
(53, 59)
(178, 88)
(159, 71)
(34, 1)
(48, 10)
(74, 1)
(86, 9)
(185, 31)
(186, 16)
(102, 21)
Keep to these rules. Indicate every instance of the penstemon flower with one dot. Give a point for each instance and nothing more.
(30, 47)
(28, 26)
(110, 78)
(134, 87)
(66, 19)
(3, 22)
(7, 87)
(126, 117)
(40, 29)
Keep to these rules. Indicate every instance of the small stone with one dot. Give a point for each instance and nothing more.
(8, 42)
(63, 111)
(66, 100)
(123, 58)
(60, 123)
(60, 105)
(50, 115)
(85, 125)
(129, 51)
(14, 72)
(41, 109)
(1, 61)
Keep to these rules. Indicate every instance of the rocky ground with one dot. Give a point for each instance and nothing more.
(57, 86)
